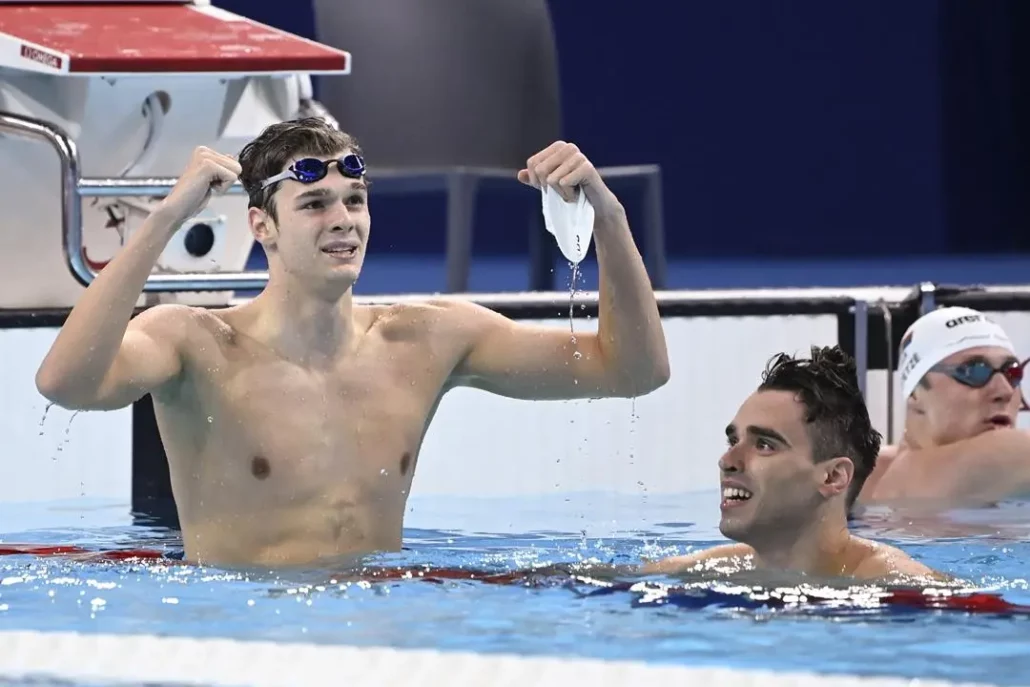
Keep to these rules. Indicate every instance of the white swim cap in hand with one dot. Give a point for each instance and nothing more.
(571, 224)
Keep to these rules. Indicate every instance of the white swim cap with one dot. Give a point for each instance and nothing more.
(936, 335)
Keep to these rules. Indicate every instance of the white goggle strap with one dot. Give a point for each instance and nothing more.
(288, 174)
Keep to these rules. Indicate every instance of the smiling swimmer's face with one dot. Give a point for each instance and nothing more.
(770, 483)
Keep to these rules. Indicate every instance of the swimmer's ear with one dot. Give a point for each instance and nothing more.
(836, 476)
(262, 226)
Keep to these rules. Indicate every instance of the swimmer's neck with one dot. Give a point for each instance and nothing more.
(303, 325)
(820, 549)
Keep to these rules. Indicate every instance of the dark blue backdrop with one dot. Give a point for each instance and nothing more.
(806, 127)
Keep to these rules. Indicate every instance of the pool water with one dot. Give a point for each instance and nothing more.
(552, 616)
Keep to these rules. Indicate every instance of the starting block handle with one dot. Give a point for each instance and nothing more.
(74, 188)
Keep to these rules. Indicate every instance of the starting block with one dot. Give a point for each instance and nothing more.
(101, 105)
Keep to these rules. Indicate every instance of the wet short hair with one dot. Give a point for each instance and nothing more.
(826, 384)
(279, 143)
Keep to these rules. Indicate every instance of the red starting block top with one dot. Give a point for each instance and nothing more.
(139, 38)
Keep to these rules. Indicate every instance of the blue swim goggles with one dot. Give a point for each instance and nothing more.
(311, 169)
(977, 373)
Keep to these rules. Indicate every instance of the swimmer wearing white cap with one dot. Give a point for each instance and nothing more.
(293, 422)
(798, 452)
(960, 381)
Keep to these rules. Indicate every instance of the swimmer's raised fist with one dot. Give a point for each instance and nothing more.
(563, 167)
(208, 173)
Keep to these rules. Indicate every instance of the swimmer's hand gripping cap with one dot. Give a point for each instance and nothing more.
(571, 223)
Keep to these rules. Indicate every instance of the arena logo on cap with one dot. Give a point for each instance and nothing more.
(965, 319)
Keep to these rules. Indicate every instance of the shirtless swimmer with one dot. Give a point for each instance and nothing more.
(293, 422)
(797, 454)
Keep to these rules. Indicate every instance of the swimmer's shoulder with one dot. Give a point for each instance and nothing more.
(448, 317)
(888, 454)
(460, 309)
(739, 554)
(192, 328)
(885, 562)
(884, 461)
(172, 322)
(981, 468)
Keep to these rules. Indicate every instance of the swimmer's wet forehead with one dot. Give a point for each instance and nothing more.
(327, 192)
(772, 414)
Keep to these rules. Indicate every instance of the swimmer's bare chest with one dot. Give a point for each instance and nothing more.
(276, 460)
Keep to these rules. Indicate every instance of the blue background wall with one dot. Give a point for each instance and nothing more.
(854, 135)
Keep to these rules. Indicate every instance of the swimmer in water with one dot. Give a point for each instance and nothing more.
(798, 451)
(960, 378)
(293, 422)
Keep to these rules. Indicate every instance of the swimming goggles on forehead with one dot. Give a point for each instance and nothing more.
(311, 169)
(977, 374)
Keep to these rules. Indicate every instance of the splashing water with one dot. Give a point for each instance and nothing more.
(67, 430)
(42, 420)
(572, 298)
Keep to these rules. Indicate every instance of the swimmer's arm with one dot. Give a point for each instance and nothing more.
(99, 360)
(630, 336)
(627, 357)
(982, 469)
(687, 563)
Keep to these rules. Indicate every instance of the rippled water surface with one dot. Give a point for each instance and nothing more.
(716, 623)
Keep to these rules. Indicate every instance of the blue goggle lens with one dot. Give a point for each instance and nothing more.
(310, 170)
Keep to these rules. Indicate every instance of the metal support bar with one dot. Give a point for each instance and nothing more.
(927, 297)
(157, 187)
(160, 187)
(74, 188)
(889, 336)
(461, 206)
(68, 155)
(861, 312)
(654, 229)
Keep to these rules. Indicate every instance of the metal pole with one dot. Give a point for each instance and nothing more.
(861, 311)
(889, 335)
(143, 186)
(927, 297)
(67, 153)
(73, 189)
